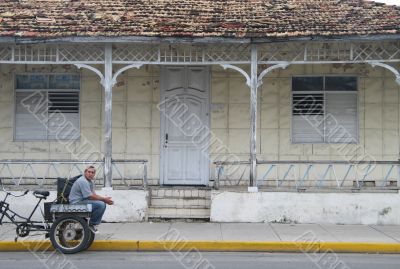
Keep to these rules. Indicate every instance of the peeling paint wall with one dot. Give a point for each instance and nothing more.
(378, 96)
(136, 120)
(292, 207)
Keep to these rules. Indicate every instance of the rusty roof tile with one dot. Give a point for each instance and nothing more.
(196, 18)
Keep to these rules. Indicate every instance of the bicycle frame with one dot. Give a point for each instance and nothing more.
(66, 225)
(27, 222)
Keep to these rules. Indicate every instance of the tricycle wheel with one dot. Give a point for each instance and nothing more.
(91, 239)
(22, 230)
(70, 234)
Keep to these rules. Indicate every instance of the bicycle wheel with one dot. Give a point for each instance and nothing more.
(70, 234)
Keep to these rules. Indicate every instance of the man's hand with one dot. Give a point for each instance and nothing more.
(108, 200)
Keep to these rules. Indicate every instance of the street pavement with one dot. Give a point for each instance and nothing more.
(217, 234)
(165, 260)
(249, 232)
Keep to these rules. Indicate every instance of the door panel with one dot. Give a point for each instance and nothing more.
(175, 79)
(192, 121)
(193, 172)
(174, 116)
(184, 115)
(174, 162)
(196, 79)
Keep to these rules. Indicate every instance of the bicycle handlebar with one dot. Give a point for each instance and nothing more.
(9, 193)
(25, 193)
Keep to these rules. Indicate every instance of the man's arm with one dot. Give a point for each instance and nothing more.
(97, 197)
(88, 192)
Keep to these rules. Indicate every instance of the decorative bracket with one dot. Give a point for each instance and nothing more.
(269, 69)
(98, 72)
(226, 66)
(114, 78)
(388, 67)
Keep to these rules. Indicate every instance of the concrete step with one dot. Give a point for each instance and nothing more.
(178, 213)
(181, 192)
(180, 202)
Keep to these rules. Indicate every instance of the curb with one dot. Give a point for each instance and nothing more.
(239, 246)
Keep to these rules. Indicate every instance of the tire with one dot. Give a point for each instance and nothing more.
(23, 230)
(91, 239)
(70, 234)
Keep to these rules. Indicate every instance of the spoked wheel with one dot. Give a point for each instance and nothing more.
(70, 234)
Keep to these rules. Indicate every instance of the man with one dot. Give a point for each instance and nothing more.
(82, 192)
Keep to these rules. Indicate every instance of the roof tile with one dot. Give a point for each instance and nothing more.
(196, 18)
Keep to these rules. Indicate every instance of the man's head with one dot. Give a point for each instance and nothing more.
(90, 172)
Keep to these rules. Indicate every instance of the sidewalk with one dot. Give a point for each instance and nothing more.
(179, 236)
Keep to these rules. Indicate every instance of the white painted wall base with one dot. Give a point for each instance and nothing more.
(323, 208)
(129, 205)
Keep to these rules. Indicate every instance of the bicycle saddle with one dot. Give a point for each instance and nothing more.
(39, 193)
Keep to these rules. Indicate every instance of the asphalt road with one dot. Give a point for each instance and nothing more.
(142, 260)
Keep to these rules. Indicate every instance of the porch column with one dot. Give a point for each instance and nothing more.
(108, 83)
(253, 117)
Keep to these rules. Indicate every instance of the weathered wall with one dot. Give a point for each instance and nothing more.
(136, 119)
(378, 118)
(129, 206)
(292, 207)
(378, 96)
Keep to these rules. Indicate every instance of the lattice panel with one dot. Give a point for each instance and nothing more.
(339, 51)
(375, 51)
(329, 52)
(228, 53)
(5, 53)
(181, 53)
(281, 52)
(35, 53)
(300, 52)
(81, 53)
(135, 52)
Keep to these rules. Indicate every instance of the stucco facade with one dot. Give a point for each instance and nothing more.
(136, 118)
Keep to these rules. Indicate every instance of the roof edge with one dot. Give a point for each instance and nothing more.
(186, 40)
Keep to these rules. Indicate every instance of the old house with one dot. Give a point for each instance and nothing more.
(260, 110)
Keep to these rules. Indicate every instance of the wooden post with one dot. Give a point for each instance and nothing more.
(108, 84)
(253, 117)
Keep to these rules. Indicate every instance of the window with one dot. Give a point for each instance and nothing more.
(47, 106)
(324, 109)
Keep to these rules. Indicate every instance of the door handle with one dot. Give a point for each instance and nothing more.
(166, 141)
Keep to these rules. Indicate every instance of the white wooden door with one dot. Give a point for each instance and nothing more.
(185, 120)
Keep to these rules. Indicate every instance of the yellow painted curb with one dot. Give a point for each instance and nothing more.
(360, 247)
(25, 245)
(133, 245)
(122, 245)
(220, 246)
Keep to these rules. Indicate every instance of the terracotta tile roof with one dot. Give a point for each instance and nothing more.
(196, 18)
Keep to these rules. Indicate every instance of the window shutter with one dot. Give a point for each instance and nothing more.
(308, 113)
(31, 115)
(341, 117)
(324, 109)
(47, 107)
(63, 115)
